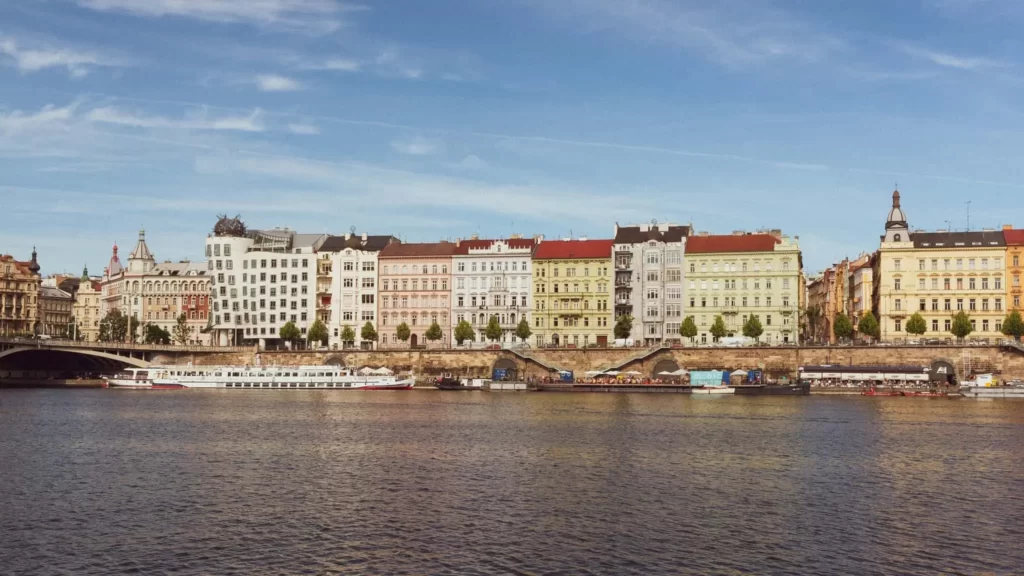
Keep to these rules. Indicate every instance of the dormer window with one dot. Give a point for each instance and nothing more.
(896, 237)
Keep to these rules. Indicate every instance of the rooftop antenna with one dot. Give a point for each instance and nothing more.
(968, 215)
(949, 226)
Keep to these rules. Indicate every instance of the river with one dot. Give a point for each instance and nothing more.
(423, 482)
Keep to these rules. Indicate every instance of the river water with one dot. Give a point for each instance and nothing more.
(418, 482)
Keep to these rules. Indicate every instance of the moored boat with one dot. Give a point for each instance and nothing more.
(993, 391)
(141, 379)
(801, 389)
(450, 382)
(712, 390)
(282, 377)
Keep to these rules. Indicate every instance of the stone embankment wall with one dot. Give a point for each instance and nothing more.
(979, 359)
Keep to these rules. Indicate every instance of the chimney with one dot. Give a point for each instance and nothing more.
(583, 238)
(475, 237)
(1007, 226)
(364, 236)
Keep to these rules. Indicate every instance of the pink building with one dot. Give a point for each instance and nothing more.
(415, 288)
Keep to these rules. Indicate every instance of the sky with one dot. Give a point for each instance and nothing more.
(442, 119)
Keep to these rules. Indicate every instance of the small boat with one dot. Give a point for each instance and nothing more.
(450, 382)
(801, 389)
(141, 379)
(713, 390)
(993, 391)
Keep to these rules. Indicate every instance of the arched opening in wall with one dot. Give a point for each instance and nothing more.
(335, 361)
(665, 365)
(506, 370)
(942, 372)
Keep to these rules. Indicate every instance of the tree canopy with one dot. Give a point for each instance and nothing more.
(842, 327)
(493, 329)
(961, 326)
(318, 332)
(718, 330)
(868, 325)
(623, 326)
(290, 332)
(348, 335)
(1013, 325)
(915, 324)
(181, 331)
(463, 332)
(523, 330)
(752, 327)
(434, 333)
(688, 329)
(153, 334)
(368, 332)
(114, 327)
(402, 332)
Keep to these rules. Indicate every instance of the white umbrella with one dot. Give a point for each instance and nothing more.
(680, 372)
(610, 373)
(366, 370)
(383, 371)
(592, 372)
(666, 373)
(633, 373)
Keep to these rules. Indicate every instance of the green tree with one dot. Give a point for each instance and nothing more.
(463, 332)
(811, 315)
(114, 327)
(493, 330)
(623, 326)
(842, 327)
(181, 331)
(402, 332)
(915, 324)
(688, 329)
(523, 330)
(318, 333)
(434, 333)
(1013, 325)
(368, 332)
(868, 325)
(153, 334)
(752, 328)
(718, 330)
(290, 333)
(961, 325)
(348, 336)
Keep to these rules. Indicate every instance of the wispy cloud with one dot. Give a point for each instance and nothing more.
(200, 121)
(17, 122)
(734, 33)
(417, 146)
(391, 61)
(953, 61)
(303, 128)
(276, 83)
(334, 65)
(315, 16)
(78, 62)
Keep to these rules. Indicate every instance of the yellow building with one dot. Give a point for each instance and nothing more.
(572, 292)
(87, 308)
(19, 296)
(938, 274)
(1014, 266)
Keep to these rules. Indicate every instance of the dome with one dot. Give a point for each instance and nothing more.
(896, 216)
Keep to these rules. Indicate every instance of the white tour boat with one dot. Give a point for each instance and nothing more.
(282, 377)
(140, 378)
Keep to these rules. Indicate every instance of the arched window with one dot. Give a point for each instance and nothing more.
(404, 268)
(384, 270)
(434, 269)
(424, 268)
(444, 269)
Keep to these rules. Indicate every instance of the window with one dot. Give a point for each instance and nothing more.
(947, 304)
(675, 275)
(898, 325)
(935, 283)
(368, 266)
(935, 304)
(999, 304)
(922, 304)
(920, 283)
(998, 283)
(945, 283)
(959, 263)
(920, 264)
(898, 304)
(984, 283)
(896, 264)
(896, 284)
(368, 282)
(959, 303)
(959, 283)
(970, 283)
(984, 325)
(935, 325)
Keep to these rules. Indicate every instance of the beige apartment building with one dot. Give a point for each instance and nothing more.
(743, 274)
(87, 308)
(19, 296)
(938, 274)
(415, 288)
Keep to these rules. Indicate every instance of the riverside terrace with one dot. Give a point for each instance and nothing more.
(66, 358)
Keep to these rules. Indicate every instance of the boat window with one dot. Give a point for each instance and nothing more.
(347, 385)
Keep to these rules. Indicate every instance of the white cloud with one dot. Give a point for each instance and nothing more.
(417, 146)
(736, 33)
(112, 115)
(275, 83)
(472, 162)
(953, 61)
(77, 62)
(18, 122)
(341, 65)
(305, 129)
(316, 16)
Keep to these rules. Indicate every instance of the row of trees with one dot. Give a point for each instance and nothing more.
(115, 327)
(688, 329)
(463, 331)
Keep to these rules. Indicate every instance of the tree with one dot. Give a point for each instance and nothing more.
(1013, 325)
(402, 332)
(961, 325)
(318, 333)
(153, 334)
(915, 324)
(718, 329)
(434, 333)
(623, 326)
(868, 325)
(368, 332)
(522, 330)
(493, 330)
(463, 332)
(811, 315)
(688, 329)
(114, 327)
(842, 327)
(752, 328)
(181, 331)
(290, 333)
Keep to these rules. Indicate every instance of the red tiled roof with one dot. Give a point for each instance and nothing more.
(562, 249)
(431, 249)
(730, 243)
(21, 267)
(464, 246)
(1014, 237)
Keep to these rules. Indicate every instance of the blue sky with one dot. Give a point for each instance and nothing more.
(441, 119)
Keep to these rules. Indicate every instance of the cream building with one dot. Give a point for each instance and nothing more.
(19, 296)
(743, 274)
(572, 293)
(346, 285)
(55, 312)
(493, 278)
(1014, 266)
(938, 274)
(87, 308)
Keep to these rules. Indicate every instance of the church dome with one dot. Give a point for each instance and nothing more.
(896, 219)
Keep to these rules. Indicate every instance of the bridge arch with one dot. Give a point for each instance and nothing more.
(104, 357)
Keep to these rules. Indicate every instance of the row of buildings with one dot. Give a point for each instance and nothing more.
(569, 291)
(932, 273)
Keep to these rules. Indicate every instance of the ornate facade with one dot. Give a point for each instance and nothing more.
(19, 296)
(415, 288)
(493, 278)
(572, 293)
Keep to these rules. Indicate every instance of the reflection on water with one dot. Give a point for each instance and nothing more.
(270, 482)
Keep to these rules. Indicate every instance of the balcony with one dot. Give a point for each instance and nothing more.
(898, 313)
(730, 309)
(623, 266)
(623, 301)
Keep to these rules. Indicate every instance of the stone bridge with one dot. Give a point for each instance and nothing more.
(21, 355)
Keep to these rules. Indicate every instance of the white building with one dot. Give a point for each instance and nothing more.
(347, 284)
(493, 278)
(649, 279)
(260, 281)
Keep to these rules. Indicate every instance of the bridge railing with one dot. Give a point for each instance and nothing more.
(57, 343)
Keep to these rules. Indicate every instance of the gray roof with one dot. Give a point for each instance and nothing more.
(179, 269)
(53, 292)
(944, 240)
(634, 235)
(355, 242)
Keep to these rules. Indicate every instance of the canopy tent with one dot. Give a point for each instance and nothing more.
(590, 373)
(666, 373)
(383, 371)
(738, 373)
(610, 373)
(366, 371)
(680, 372)
(632, 373)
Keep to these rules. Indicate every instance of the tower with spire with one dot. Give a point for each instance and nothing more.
(896, 227)
(141, 260)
